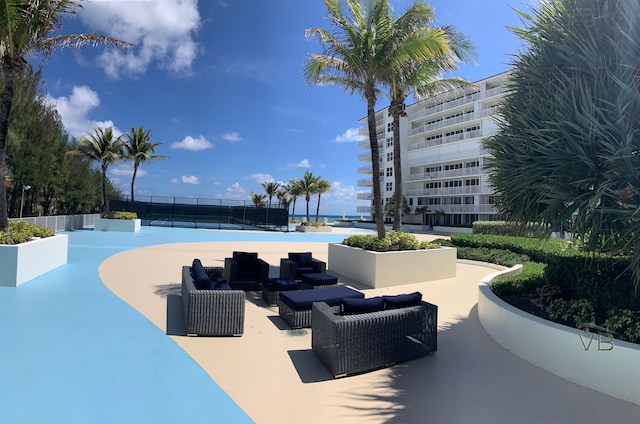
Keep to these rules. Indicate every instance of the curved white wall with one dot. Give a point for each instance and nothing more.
(608, 366)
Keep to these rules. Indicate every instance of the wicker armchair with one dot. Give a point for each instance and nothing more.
(211, 312)
(245, 271)
(350, 344)
(296, 264)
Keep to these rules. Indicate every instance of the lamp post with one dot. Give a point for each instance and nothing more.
(24, 188)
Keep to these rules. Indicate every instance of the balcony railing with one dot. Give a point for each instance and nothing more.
(467, 135)
(365, 170)
(364, 196)
(458, 209)
(450, 156)
(364, 157)
(464, 172)
(449, 191)
(452, 121)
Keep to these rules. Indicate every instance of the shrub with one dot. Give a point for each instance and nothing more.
(22, 231)
(574, 312)
(624, 323)
(119, 215)
(504, 228)
(531, 277)
(393, 241)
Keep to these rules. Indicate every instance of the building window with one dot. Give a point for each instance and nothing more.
(472, 182)
(389, 141)
(389, 172)
(390, 157)
(472, 164)
(390, 127)
(468, 200)
(389, 186)
(410, 201)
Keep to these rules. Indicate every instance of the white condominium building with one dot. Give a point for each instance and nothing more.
(443, 175)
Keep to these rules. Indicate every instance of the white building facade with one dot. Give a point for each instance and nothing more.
(442, 157)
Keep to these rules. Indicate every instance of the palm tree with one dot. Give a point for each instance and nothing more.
(139, 149)
(258, 199)
(353, 58)
(283, 196)
(322, 186)
(308, 185)
(447, 47)
(294, 192)
(102, 147)
(271, 187)
(25, 28)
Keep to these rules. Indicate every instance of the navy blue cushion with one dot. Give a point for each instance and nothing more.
(220, 284)
(300, 300)
(301, 259)
(244, 258)
(304, 270)
(319, 279)
(402, 300)
(350, 306)
(200, 278)
(279, 284)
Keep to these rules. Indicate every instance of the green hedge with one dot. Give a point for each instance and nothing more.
(22, 231)
(119, 215)
(393, 241)
(504, 228)
(531, 277)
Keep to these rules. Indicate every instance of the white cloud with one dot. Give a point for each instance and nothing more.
(234, 192)
(126, 170)
(351, 135)
(192, 144)
(261, 178)
(162, 32)
(232, 137)
(74, 111)
(304, 163)
(192, 179)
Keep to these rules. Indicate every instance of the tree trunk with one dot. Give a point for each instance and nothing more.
(11, 68)
(397, 109)
(308, 199)
(293, 210)
(375, 164)
(104, 188)
(318, 208)
(133, 179)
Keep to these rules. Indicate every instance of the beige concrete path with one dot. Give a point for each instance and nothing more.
(274, 376)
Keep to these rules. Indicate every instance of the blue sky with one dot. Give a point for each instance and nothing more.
(220, 84)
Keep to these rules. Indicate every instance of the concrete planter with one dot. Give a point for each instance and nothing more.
(388, 269)
(123, 225)
(23, 262)
(590, 359)
(313, 229)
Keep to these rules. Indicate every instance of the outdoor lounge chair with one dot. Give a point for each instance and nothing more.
(297, 264)
(245, 271)
(211, 312)
(360, 342)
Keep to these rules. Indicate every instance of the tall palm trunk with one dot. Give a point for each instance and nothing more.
(11, 69)
(293, 210)
(397, 110)
(104, 189)
(133, 179)
(308, 199)
(375, 161)
(318, 208)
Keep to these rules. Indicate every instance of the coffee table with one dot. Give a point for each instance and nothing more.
(295, 306)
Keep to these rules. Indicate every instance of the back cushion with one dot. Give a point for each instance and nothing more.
(402, 300)
(245, 259)
(301, 259)
(200, 278)
(349, 306)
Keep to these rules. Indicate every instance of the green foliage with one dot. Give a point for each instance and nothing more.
(625, 323)
(538, 250)
(393, 241)
(495, 256)
(531, 277)
(22, 231)
(390, 206)
(505, 228)
(574, 312)
(119, 215)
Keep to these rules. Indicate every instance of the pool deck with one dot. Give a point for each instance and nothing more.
(101, 340)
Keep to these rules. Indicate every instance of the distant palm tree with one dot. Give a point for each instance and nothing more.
(25, 28)
(294, 191)
(139, 149)
(308, 186)
(322, 186)
(283, 196)
(102, 147)
(258, 199)
(271, 187)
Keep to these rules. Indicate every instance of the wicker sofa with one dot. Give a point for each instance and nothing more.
(211, 312)
(351, 344)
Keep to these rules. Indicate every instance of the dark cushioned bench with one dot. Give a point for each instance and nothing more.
(295, 306)
(319, 280)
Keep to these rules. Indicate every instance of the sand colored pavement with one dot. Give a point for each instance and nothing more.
(274, 376)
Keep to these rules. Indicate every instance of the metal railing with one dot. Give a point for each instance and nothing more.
(62, 222)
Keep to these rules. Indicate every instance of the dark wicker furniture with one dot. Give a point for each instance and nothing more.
(245, 271)
(272, 287)
(357, 343)
(320, 280)
(295, 306)
(211, 312)
(298, 263)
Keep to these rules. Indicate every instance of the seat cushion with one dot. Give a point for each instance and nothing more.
(302, 259)
(220, 284)
(200, 278)
(304, 270)
(349, 306)
(244, 258)
(279, 284)
(402, 300)
(319, 279)
(300, 300)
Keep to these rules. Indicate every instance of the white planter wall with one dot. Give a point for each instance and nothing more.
(23, 262)
(314, 229)
(608, 366)
(123, 225)
(388, 269)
